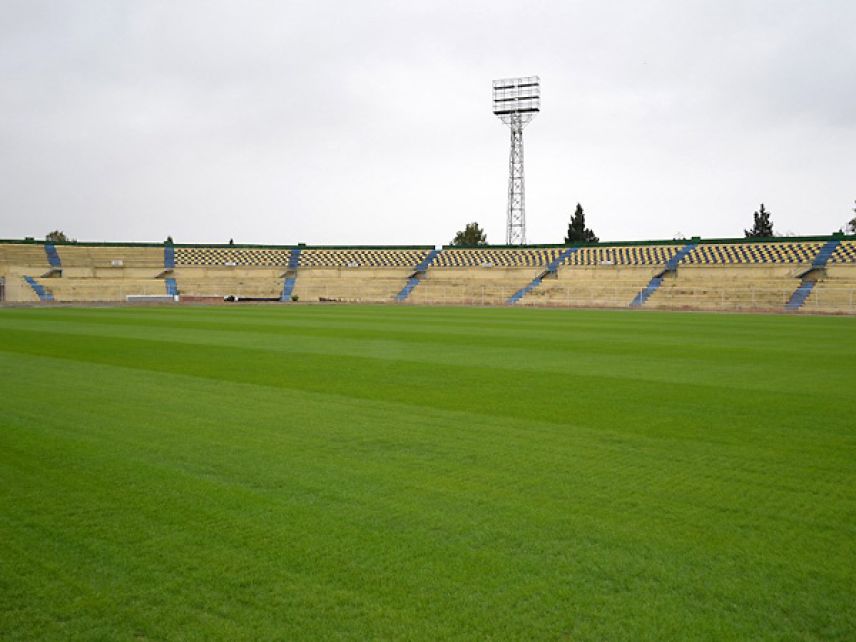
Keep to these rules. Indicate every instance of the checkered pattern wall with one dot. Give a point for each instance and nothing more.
(844, 253)
(362, 258)
(189, 256)
(498, 258)
(630, 255)
(753, 253)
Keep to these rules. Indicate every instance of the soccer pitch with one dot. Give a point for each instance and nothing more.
(378, 472)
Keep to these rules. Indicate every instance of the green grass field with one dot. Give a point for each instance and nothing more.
(309, 472)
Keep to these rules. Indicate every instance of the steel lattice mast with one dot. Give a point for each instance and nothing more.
(515, 102)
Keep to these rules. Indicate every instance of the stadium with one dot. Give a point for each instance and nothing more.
(383, 436)
(810, 274)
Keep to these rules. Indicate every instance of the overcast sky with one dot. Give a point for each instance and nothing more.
(370, 122)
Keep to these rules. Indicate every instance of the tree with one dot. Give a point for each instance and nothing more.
(577, 230)
(762, 227)
(470, 236)
(57, 236)
(851, 226)
(168, 241)
(231, 241)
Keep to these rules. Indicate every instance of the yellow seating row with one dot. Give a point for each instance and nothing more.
(212, 256)
(844, 253)
(736, 253)
(626, 255)
(474, 257)
(362, 258)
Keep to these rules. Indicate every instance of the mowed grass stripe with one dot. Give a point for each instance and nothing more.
(204, 501)
(698, 358)
(679, 410)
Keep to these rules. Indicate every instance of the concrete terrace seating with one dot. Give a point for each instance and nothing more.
(16, 257)
(102, 290)
(727, 287)
(836, 291)
(364, 284)
(471, 285)
(217, 281)
(592, 286)
(83, 256)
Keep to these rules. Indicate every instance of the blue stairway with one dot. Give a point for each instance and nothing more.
(40, 291)
(288, 285)
(288, 288)
(672, 263)
(171, 286)
(413, 281)
(428, 261)
(802, 292)
(53, 257)
(639, 300)
(656, 281)
(169, 257)
(552, 267)
(800, 295)
(825, 253)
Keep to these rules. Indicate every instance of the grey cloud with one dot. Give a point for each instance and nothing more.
(335, 122)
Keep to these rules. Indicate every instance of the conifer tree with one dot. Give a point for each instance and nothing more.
(762, 226)
(577, 230)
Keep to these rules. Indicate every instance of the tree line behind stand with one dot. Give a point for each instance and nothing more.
(762, 227)
(473, 236)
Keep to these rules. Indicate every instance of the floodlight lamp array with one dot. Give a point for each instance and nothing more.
(517, 96)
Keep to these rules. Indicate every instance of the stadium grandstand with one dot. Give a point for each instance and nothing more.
(815, 274)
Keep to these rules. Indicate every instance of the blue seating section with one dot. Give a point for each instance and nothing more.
(171, 286)
(40, 291)
(53, 257)
(294, 259)
(169, 257)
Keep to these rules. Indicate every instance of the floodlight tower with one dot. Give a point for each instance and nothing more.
(516, 101)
